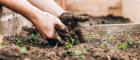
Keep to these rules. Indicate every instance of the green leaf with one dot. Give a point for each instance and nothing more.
(2, 46)
(82, 56)
(20, 42)
(69, 46)
(33, 37)
(23, 50)
(129, 40)
(122, 46)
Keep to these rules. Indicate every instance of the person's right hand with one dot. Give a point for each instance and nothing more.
(46, 23)
(71, 19)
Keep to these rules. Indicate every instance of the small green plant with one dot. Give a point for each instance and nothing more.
(2, 45)
(123, 46)
(80, 53)
(33, 37)
(23, 49)
(20, 42)
(111, 37)
(21, 45)
(69, 46)
(129, 40)
(103, 46)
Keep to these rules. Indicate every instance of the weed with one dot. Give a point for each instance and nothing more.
(23, 49)
(129, 40)
(2, 45)
(103, 46)
(69, 46)
(123, 46)
(111, 38)
(21, 45)
(80, 53)
(33, 37)
(20, 42)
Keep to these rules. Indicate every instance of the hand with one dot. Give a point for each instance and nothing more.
(46, 23)
(71, 19)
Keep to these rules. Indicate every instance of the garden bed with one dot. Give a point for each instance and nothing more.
(30, 46)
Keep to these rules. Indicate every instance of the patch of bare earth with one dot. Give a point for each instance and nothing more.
(30, 46)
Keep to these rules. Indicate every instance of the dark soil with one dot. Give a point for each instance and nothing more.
(30, 46)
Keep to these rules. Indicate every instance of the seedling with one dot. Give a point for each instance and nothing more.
(103, 46)
(21, 45)
(129, 40)
(111, 38)
(33, 37)
(80, 53)
(23, 49)
(122, 46)
(68, 46)
(20, 42)
(2, 45)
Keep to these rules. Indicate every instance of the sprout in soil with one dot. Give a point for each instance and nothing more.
(21, 45)
(123, 46)
(68, 46)
(33, 37)
(2, 45)
(129, 40)
(23, 50)
(103, 46)
(80, 53)
(20, 42)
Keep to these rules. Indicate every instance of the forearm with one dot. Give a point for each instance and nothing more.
(23, 7)
(48, 6)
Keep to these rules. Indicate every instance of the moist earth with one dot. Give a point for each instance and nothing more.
(30, 46)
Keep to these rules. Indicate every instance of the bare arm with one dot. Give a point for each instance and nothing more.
(48, 6)
(23, 7)
(52, 7)
(43, 21)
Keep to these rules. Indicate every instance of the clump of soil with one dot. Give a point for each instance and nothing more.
(110, 19)
(30, 46)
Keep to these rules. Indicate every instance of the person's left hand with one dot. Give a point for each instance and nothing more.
(46, 23)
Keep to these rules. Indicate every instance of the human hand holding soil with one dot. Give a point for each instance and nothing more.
(46, 23)
(69, 18)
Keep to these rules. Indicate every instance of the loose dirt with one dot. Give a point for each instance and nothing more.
(30, 46)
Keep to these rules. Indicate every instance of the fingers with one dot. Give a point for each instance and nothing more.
(48, 33)
(82, 18)
(71, 16)
(60, 25)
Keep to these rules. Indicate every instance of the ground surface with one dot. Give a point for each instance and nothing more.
(30, 46)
